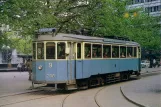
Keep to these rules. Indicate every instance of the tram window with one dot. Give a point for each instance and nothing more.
(135, 52)
(40, 50)
(115, 51)
(61, 50)
(87, 51)
(96, 51)
(79, 50)
(129, 51)
(122, 52)
(50, 50)
(106, 51)
(34, 50)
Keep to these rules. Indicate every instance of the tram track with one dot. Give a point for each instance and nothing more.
(20, 93)
(63, 102)
(95, 97)
(98, 104)
(28, 97)
(41, 93)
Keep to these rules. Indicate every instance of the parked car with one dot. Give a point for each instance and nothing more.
(145, 64)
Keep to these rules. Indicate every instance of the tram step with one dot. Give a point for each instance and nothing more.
(71, 87)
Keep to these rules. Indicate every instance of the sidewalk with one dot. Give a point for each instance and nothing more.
(145, 92)
(149, 70)
(14, 83)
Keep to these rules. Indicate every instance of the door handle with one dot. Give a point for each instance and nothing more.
(115, 65)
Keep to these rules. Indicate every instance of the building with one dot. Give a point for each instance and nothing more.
(152, 7)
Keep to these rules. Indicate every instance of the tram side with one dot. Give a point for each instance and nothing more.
(106, 63)
(83, 64)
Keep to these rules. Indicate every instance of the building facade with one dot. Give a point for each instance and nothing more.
(152, 7)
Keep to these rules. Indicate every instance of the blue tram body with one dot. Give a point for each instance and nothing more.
(72, 72)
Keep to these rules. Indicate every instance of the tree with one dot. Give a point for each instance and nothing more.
(97, 17)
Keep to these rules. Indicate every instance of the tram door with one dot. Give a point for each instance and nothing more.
(71, 63)
(79, 62)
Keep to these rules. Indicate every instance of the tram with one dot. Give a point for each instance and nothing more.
(72, 61)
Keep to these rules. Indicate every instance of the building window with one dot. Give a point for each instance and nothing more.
(152, 9)
(150, 0)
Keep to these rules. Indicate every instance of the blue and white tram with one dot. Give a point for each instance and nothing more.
(73, 61)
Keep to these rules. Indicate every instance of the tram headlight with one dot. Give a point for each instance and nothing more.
(40, 67)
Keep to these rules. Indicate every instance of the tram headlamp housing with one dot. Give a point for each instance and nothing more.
(40, 67)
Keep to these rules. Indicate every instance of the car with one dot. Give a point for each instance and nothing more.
(145, 64)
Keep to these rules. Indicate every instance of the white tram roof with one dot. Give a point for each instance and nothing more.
(82, 38)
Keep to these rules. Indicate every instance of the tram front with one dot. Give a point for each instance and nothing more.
(49, 62)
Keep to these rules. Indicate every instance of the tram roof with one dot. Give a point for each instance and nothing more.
(82, 38)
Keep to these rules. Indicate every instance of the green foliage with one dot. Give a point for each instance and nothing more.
(100, 17)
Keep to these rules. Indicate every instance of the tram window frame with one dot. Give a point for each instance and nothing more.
(115, 49)
(62, 56)
(105, 47)
(34, 50)
(79, 51)
(123, 49)
(129, 50)
(87, 47)
(41, 49)
(52, 51)
(97, 48)
(134, 51)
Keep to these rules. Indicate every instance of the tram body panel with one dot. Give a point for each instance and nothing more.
(71, 71)
(129, 64)
(79, 69)
(51, 72)
(61, 71)
(101, 66)
(39, 73)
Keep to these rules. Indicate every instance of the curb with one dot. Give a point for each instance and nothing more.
(138, 104)
(150, 71)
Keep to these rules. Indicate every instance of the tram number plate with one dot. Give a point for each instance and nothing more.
(50, 75)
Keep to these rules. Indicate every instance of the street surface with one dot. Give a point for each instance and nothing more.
(146, 91)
